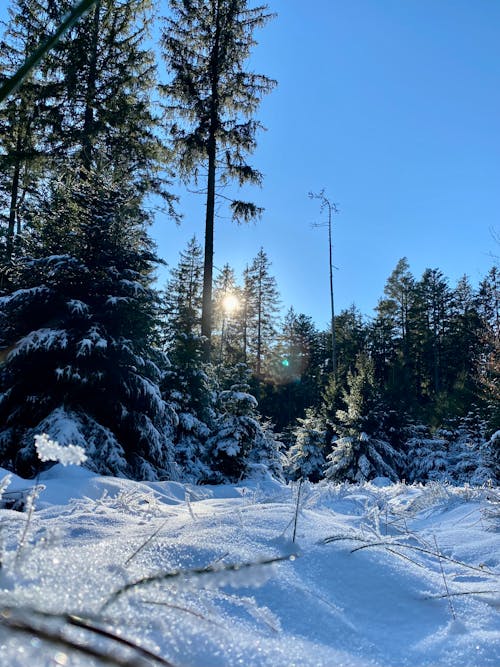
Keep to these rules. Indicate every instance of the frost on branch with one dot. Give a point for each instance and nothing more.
(50, 450)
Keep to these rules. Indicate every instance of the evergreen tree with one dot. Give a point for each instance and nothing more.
(488, 304)
(431, 313)
(228, 304)
(79, 332)
(391, 335)
(363, 450)
(261, 307)
(297, 373)
(306, 457)
(468, 454)
(23, 123)
(205, 46)
(239, 439)
(185, 383)
(106, 77)
(427, 455)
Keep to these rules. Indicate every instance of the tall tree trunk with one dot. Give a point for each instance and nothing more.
(14, 196)
(206, 306)
(208, 265)
(259, 328)
(88, 118)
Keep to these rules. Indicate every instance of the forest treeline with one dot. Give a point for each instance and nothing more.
(201, 378)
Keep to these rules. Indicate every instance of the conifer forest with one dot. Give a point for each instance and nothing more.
(196, 470)
(207, 376)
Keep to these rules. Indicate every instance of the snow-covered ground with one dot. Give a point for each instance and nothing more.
(423, 588)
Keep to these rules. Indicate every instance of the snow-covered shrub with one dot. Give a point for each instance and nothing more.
(457, 454)
(491, 452)
(467, 451)
(427, 455)
(360, 458)
(307, 455)
(239, 439)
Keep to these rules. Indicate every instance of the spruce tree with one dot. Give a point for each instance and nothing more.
(227, 343)
(261, 297)
(185, 383)
(23, 123)
(488, 305)
(240, 440)
(206, 44)
(306, 457)
(81, 364)
(363, 450)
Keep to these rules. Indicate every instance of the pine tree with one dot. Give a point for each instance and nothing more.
(79, 334)
(239, 439)
(488, 305)
(391, 334)
(306, 457)
(296, 374)
(205, 45)
(363, 450)
(261, 307)
(427, 455)
(431, 312)
(23, 123)
(468, 454)
(106, 79)
(227, 343)
(185, 383)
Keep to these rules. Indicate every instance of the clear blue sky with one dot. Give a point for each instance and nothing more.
(393, 106)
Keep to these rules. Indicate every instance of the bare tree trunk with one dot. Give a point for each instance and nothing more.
(208, 265)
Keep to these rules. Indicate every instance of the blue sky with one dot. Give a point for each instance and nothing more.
(393, 106)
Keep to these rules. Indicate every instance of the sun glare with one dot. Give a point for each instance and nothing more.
(230, 303)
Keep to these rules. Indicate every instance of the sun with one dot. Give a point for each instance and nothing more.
(230, 303)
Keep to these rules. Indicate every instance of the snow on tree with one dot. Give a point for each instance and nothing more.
(79, 335)
(492, 454)
(239, 439)
(469, 459)
(306, 457)
(185, 383)
(363, 450)
(427, 455)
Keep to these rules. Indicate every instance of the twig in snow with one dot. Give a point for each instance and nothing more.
(297, 505)
(426, 551)
(55, 637)
(146, 542)
(450, 595)
(175, 574)
(452, 608)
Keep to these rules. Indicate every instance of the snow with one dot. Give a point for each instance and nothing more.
(323, 604)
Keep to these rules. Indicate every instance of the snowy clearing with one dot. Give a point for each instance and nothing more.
(423, 589)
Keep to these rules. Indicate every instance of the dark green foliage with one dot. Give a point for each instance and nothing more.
(212, 99)
(297, 372)
(261, 305)
(106, 75)
(185, 383)
(23, 125)
(306, 457)
(363, 449)
(80, 331)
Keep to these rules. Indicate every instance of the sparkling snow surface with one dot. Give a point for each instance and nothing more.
(382, 605)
